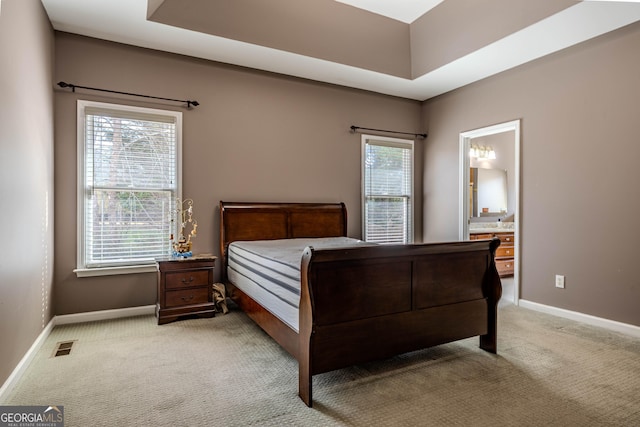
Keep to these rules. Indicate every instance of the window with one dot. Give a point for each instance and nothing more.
(128, 181)
(387, 189)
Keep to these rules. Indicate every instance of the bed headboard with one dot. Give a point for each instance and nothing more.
(268, 221)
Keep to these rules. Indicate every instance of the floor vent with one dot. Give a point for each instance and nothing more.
(63, 348)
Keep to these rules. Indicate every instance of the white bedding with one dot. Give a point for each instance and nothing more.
(269, 271)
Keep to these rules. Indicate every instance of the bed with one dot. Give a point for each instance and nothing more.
(356, 302)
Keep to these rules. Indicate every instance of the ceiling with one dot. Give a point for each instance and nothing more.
(435, 45)
(405, 11)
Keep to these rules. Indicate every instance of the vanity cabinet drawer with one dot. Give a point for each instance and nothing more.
(186, 297)
(505, 237)
(504, 267)
(487, 236)
(505, 252)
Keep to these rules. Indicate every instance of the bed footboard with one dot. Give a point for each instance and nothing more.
(369, 303)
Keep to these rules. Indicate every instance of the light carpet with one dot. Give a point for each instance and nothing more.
(225, 371)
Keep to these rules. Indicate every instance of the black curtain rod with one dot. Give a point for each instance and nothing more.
(73, 88)
(417, 135)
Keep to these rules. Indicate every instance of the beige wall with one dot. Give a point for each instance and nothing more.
(26, 178)
(579, 112)
(255, 137)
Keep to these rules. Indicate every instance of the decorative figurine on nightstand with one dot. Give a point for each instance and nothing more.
(184, 215)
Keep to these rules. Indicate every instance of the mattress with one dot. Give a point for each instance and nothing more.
(269, 271)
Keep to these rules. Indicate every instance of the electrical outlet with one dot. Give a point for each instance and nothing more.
(559, 281)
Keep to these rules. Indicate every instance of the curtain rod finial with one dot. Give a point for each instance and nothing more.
(64, 84)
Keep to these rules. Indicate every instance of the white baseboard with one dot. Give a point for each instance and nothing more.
(67, 319)
(93, 316)
(26, 361)
(612, 325)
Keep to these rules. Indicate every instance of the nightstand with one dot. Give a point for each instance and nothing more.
(184, 288)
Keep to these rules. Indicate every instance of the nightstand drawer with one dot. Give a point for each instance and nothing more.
(187, 297)
(185, 279)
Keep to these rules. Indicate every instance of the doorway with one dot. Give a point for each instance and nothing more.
(476, 140)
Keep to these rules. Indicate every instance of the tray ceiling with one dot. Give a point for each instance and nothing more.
(417, 54)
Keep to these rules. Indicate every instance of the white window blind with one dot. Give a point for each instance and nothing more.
(387, 190)
(130, 167)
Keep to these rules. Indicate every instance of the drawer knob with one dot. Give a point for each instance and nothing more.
(189, 298)
(187, 281)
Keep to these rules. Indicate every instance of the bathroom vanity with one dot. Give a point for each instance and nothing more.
(505, 252)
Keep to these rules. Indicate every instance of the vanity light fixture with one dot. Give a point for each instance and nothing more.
(482, 152)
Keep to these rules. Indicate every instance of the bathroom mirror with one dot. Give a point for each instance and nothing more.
(488, 191)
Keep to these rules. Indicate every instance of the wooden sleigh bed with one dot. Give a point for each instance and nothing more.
(366, 303)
